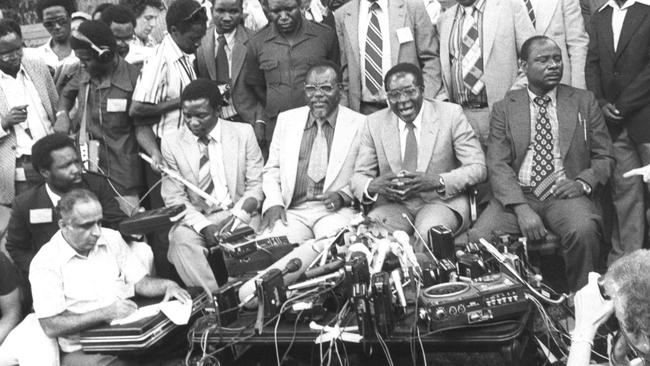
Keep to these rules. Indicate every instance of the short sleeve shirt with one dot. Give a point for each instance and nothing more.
(62, 279)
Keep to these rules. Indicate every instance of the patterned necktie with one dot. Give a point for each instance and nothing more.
(205, 178)
(531, 12)
(374, 47)
(472, 57)
(542, 177)
(223, 75)
(410, 162)
(318, 159)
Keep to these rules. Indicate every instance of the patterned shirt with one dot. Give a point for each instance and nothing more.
(526, 168)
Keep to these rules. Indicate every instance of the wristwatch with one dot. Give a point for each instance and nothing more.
(441, 190)
(585, 187)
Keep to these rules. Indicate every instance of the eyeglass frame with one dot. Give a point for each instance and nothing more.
(60, 20)
(409, 92)
(319, 88)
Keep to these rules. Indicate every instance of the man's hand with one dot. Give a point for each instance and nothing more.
(643, 171)
(417, 182)
(383, 185)
(63, 122)
(611, 113)
(591, 309)
(209, 234)
(530, 223)
(14, 116)
(567, 188)
(174, 291)
(121, 308)
(259, 128)
(157, 162)
(272, 215)
(332, 201)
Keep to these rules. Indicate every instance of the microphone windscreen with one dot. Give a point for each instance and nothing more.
(293, 265)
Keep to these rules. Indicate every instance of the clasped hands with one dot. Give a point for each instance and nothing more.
(404, 185)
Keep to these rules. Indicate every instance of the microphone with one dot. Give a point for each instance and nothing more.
(391, 262)
(293, 265)
(383, 246)
(242, 215)
(397, 281)
(424, 242)
(327, 268)
(318, 280)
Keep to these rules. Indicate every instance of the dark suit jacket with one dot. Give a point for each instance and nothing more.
(206, 64)
(578, 114)
(25, 238)
(622, 77)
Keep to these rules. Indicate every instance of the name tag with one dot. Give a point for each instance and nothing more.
(404, 35)
(115, 105)
(40, 216)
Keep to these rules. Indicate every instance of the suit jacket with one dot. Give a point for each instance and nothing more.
(280, 170)
(588, 9)
(448, 147)
(42, 79)
(622, 77)
(585, 145)
(207, 68)
(506, 26)
(26, 234)
(562, 21)
(242, 161)
(421, 51)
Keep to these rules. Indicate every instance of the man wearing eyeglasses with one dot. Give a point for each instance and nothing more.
(84, 277)
(311, 160)
(417, 158)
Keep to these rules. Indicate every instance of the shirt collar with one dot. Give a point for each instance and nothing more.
(478, 5)
(331, 119)
(552, 94)
(230, 37)
(55, 198)
(383, 5)
(627, 4)
(417, 122)
(173, 53)
(215, 134)
(67, 252)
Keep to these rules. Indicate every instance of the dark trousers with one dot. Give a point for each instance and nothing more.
(576, 221)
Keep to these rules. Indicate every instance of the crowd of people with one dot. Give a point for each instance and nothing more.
(292, 121)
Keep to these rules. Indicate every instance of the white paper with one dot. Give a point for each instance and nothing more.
(404, 35)
(176, 311)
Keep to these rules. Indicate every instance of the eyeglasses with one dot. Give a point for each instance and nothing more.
(324, 88)
(10, 55)
(395, 95)
(60, 21)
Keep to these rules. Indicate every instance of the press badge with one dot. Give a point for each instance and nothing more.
(404, 35)
(115, 105)
(40, 216)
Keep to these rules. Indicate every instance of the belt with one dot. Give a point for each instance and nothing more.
(474, 105)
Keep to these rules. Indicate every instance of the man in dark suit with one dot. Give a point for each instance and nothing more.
(548, 152)
(221, 58)
(33, 219)
(618, 73)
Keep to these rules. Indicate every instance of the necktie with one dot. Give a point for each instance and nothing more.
(410, 162)
(318, 159)
(531, 13)
(542, 177)
(472, 57)
(223, 75)
(205, 178)
(374, 47)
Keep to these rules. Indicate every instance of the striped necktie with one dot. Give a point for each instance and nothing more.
(472, 64)
(374, 47)
(531, 12)
(205, 178)
(542, 169)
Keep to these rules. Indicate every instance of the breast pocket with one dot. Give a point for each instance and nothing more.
(271, 71)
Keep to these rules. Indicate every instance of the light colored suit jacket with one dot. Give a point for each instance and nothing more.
(42, 79)
(506, 26)
(448, 147)
(585, 145)
(281, 168)
(242, 161)
(206, 64)
(421, 51)
(561, 20)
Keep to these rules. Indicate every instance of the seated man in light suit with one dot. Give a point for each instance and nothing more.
(306, 182)
(416, 158)
(223, 159)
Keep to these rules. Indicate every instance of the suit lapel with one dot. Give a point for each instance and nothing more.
(229, 143)
(238, 53)
(391, 141)
(567, 112)
(520, 122)
(490, 23)
(606, 30)
(634, 17)
(344, 134)
(543, 14)
(351, 21)
(428, 136)
(395, 21)
(291, 150)
(207, 48)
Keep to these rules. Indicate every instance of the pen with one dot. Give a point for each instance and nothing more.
(583, 124)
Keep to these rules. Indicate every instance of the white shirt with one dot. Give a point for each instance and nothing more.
(21, 91)
(55, 198)
(51, 59)
(618, 16)
(403, 132)
(364, 19)
(433, 8)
